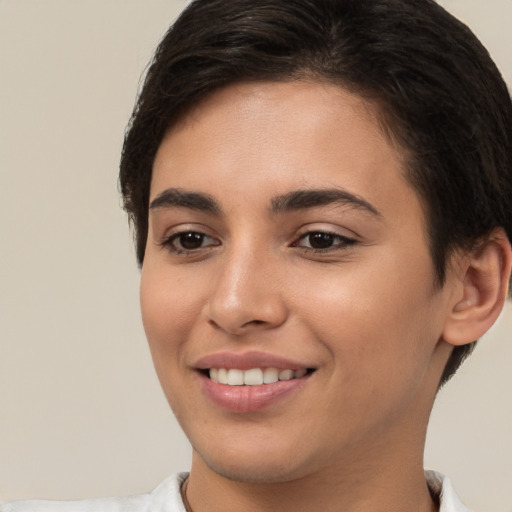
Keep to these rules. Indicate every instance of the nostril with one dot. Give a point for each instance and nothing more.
(253, 323)
(237, 317)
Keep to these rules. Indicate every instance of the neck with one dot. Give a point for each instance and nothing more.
(350, 487)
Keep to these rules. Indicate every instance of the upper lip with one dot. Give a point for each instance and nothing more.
(248, 360)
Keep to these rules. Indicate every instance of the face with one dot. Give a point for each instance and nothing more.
(287, 251)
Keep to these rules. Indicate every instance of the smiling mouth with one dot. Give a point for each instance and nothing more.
(254, 376)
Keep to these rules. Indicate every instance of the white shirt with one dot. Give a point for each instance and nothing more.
(167, 498)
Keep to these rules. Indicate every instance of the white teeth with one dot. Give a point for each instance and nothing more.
(270, 375)
(235, 377)
(286, 375)
(254, 376)
(222, 375)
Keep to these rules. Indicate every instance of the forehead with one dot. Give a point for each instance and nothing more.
(307, 131)
(298, 103)
(312, 95)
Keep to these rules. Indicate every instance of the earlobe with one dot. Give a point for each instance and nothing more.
(481, 291)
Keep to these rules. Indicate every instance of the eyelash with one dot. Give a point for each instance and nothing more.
(169, 242)
(343, 242)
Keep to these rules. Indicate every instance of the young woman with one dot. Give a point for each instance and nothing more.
(321, 193)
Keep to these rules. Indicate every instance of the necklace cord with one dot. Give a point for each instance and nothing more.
(183, 492)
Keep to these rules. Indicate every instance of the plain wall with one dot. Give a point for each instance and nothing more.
(81, 412)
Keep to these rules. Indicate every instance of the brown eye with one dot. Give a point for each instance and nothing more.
(189, 241)
(323, 241)
(320, 240)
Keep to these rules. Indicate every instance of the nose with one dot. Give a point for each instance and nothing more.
(247, 294)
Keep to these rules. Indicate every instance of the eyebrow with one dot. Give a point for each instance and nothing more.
(291, 201)
(304, 199)
(175, 197)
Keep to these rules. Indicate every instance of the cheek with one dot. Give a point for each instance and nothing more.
(375, 320)
(167, 315)
(169, 309)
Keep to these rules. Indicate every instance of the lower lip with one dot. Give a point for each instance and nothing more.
(250, 398)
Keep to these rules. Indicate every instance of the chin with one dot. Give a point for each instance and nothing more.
(264, 464)
(253, 473)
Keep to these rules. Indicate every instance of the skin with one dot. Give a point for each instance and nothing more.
(363, 313)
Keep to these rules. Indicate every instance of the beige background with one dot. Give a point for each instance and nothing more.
(81, 413)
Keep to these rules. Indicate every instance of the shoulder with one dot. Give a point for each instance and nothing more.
(165, 498)
(441, 487)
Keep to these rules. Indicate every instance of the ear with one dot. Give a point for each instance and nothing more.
(481, 289)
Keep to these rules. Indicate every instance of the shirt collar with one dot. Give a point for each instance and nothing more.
(441, 487)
